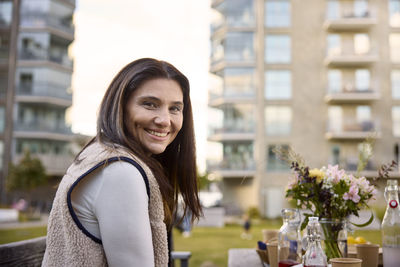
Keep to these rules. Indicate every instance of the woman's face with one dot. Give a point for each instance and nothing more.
(155, 114)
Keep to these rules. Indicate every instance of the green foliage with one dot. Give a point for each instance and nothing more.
(254, 213)
(27, 174)
(365, 154)
(203, 181)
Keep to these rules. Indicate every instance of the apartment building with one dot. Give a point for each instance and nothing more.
(317, 75)
(38, 91)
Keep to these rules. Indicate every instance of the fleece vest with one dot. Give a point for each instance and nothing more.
(68, 242)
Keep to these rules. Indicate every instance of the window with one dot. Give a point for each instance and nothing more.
(238, 13)
(2, 119)
(335, 115)
(5, 12)
(239, 46)
(278, 120)
(334, 81)
(361, 8)
(363, 114)
(238, 156)
(396, 120)
(361, 43)
(277, 49)
(362, 80)
(395, 77)
(394, 42)
(394, 13)
(333, 45)
(332, 9)
(277, 14)
(239, 82)
(239, 118)
(25, 84)
(274, 163)
(278, 84)
(335, 155)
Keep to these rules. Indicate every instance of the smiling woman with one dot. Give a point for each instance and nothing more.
(155, 114)
(116, 202)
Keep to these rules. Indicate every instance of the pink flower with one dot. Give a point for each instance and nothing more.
(335, 173)
(352, 194)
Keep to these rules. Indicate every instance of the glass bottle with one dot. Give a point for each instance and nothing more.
(314, 256)
(391, 226)
(289, 242)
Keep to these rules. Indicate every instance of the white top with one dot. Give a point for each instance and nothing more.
(112, 204)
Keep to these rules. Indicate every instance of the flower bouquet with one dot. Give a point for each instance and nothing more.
(330, 194)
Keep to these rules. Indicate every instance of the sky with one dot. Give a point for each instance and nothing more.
(110, 34)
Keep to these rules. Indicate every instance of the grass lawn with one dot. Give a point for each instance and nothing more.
(13, 235)
(212, 244)
(206, 244)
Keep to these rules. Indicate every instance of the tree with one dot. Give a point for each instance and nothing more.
(28, 174)
(203, 181)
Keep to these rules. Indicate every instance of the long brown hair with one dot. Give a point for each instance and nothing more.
(175, 168)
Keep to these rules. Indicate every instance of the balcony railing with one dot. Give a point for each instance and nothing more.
(44, 55)
(218, 98)
(33, 20)
(351, 59)
(352, 129)
(42, 125)
(237, 166)
(350, 21)
(45, 89)
(351, 95)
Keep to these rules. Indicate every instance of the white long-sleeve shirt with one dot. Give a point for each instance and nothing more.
(112, 204)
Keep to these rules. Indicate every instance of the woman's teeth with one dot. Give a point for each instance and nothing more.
(157, 133)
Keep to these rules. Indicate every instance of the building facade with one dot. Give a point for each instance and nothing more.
(317, 75)
(39, 88)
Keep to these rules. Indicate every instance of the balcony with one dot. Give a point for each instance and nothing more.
(217, 99)
(233, 130)
(235, 167)
(351, 95)
(29, 57)
(69, 2)
(60, 26)
(44, 92)
(350, 22)
(54, 164)
(222, 63)
(350, 60)
(353, 130)
(43, 129)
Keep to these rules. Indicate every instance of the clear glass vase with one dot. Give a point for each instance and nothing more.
(334, 237)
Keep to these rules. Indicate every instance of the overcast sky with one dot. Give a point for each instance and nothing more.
(111, 33)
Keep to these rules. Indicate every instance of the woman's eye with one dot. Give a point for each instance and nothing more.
(149, 105)
(176, 109)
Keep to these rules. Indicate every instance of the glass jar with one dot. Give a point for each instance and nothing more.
(289, 241)
(334, 237)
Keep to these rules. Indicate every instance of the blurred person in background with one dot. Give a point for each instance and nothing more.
(116, 201)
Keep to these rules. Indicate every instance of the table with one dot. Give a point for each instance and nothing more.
(239, 257)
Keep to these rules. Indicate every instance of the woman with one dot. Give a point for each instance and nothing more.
(116, 201)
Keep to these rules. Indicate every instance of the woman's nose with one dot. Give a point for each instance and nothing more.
(163, 118)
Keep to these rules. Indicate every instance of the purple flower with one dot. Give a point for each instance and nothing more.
(352, 194)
